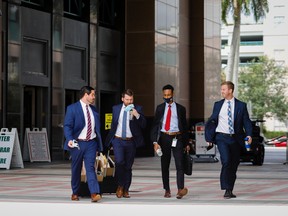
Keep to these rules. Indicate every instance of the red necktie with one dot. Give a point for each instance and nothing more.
(89, 127)
(168, 118)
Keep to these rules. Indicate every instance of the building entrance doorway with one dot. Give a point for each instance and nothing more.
(35, 110)
(35, 107)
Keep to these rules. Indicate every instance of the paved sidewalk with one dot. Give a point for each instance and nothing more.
(43, 185)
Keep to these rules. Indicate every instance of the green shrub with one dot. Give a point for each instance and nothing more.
(272, 134)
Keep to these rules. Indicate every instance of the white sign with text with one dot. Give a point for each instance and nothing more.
(10, 151)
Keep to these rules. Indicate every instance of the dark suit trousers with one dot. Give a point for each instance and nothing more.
(229, 151)
(87, 153)
(165, 142)
(124, 152)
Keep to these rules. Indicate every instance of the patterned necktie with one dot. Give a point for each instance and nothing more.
(168, 118)
(231, 130)
(124, 122)
(89, 127)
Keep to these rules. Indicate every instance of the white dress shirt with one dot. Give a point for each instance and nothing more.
(174, 118)
(119, 127)
(223, 126)
(83, 133)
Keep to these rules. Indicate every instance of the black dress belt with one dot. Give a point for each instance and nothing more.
(85, 140)
(125, 139)
(226, 134)
(172, 133)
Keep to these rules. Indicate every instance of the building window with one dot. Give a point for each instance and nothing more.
(224, 43)
(107, 12)
(244, 61)
(73, 7)
(166, 18)
(35, 56)
(44, 5)
(34, 2)
(77, 8)
(75, 61)
(14, 23)
(251, 40)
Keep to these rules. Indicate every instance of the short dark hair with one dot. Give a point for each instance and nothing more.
(169, 87)
(84, 90)
(128, 92)
(229, 84)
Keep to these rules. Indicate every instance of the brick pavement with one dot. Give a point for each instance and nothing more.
(48, 184)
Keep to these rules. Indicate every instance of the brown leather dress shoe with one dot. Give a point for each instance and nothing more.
(119, 192)
(74, 197)
(181, 193)
(167, 194)
(95, 197)
(126, 194)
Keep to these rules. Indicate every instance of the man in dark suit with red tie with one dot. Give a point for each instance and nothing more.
(125, 135)
(82, 124)
(170, 133)
(227, 127)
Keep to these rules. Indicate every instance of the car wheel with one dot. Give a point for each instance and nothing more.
(259, 156)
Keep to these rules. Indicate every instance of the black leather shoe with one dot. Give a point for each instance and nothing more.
(228, 194)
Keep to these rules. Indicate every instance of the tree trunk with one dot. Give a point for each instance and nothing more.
(234, 46)
(233, 50)
(236, 67)
(236, 57)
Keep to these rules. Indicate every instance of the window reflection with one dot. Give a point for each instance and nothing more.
(166, 18)
(166, 36)
(14, 32)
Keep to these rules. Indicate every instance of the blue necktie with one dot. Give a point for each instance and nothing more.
(124, 121)
(231, 130)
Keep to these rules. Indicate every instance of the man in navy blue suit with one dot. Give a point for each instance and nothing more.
(83, 140)
(228, 133)
(125, 135)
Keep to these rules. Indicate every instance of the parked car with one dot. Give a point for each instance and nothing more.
(257, 150)
(280, 141)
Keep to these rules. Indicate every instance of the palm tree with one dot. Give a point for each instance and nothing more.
(259, 8)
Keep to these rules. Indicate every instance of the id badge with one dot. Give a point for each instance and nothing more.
(174, 142)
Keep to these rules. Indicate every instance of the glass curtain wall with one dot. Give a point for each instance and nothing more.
(166, 44)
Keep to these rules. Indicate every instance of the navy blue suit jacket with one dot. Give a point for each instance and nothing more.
(75, 122)
(136, 126)
(242, 123)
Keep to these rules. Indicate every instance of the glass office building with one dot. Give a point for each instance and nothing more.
(51, 48)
